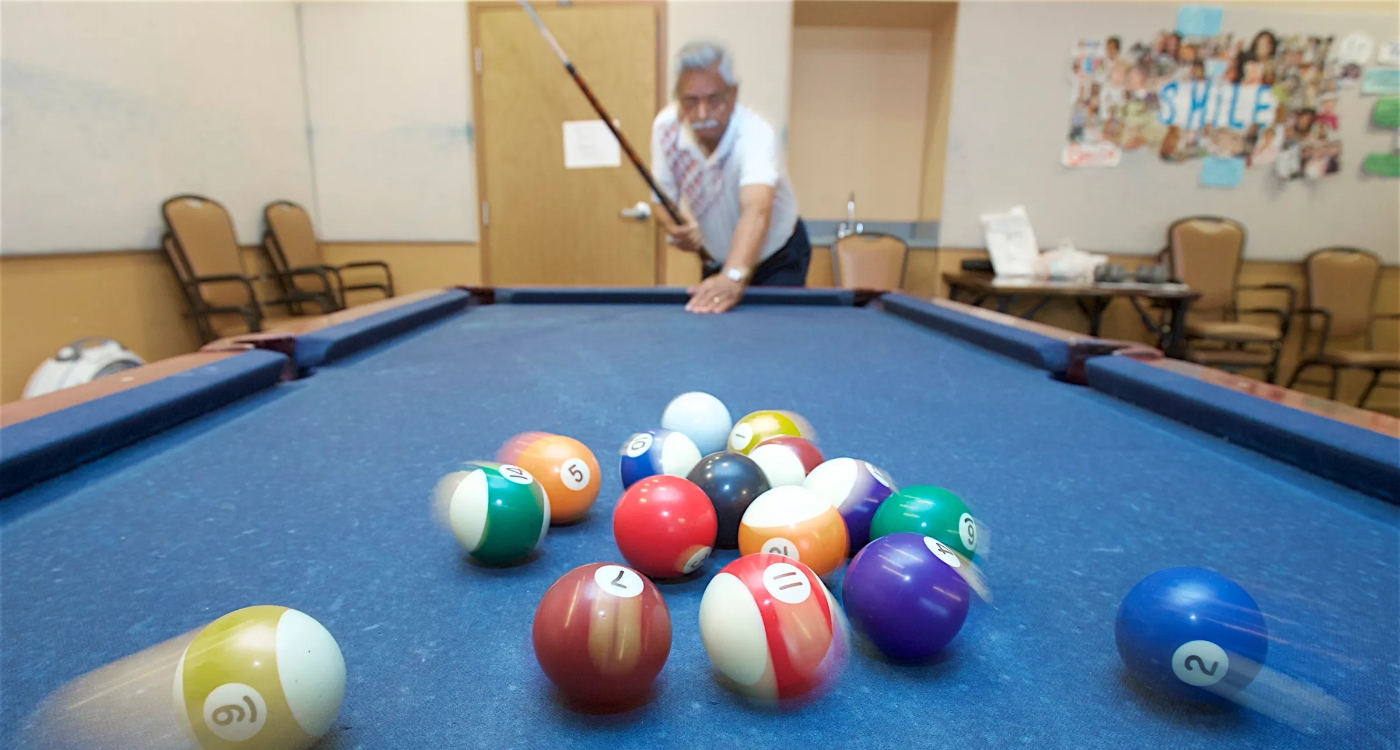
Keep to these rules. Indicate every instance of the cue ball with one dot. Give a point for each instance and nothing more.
(761, 425)
(856, 488)
(267, 676)
(664, 526)
(498, 512)
(702, 418)
(797, 523)
(602, 634)
(771, 629)
(1192, 634)
(931, 511)
(904, 593)
(732, 481)
(654, 452)
(566, 469)
(786, 460)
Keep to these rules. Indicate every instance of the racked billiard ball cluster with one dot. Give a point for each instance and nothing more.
(772, 628)
(768, 622)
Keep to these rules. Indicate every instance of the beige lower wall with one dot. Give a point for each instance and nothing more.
(47, 301)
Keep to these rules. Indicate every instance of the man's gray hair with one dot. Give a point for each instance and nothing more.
(704, 56)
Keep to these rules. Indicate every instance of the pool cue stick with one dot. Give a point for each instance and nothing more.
(666, 202)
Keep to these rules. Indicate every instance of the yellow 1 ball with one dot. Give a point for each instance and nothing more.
(265, 672)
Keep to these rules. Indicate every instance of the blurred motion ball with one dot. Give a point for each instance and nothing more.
(263, 677)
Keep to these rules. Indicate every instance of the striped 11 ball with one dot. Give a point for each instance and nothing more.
(498, 512)
(266, 677)
(771, 629)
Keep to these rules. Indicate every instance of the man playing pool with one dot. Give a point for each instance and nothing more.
(723, 159)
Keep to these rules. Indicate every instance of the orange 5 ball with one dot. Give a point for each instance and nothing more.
(602, 633)
(566, 468)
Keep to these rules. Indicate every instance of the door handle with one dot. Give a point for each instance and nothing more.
(640, 212)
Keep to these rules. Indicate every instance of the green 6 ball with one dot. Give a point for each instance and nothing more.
(931, 511)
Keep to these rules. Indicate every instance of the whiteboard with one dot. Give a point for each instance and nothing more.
(1010, 118)
(110, 108)
(390, 120)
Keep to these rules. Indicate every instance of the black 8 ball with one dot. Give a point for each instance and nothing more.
(732, 481)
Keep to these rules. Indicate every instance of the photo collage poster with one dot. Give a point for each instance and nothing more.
(1263, 101)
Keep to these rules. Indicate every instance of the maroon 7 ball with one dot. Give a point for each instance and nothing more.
(602, 634)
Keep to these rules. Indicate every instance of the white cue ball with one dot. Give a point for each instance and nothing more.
(702, 418)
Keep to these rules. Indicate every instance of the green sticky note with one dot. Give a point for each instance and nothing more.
(1382, 165)
(1386, 113)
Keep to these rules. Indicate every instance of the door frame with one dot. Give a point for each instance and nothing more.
(474, 10)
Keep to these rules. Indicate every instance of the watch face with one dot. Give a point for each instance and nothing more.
(735, 274)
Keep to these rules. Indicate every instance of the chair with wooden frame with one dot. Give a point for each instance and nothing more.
(1341, 297)
(290, 241)
(203, 250)
(1205, 253)
(869, 260)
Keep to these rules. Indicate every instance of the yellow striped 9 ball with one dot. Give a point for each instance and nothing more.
(266, 677)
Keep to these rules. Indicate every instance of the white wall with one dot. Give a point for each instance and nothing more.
(1010, 117)
(110, 108)
(359, 111)
(390, 116)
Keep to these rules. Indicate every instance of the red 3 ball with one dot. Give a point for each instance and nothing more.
(665, 526)
(602, 634)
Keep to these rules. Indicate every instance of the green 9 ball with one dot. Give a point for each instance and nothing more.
(931, 511)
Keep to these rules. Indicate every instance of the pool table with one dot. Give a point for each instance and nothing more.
(296, 469)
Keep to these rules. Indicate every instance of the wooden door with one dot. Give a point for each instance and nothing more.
(542, 223)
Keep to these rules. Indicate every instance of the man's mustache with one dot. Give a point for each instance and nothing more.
(704, 124)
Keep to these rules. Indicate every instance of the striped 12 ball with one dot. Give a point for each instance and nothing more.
(602, 633)
(498, 512)
(647, 454)
(795, 522)
(771, 629)
(266, 677)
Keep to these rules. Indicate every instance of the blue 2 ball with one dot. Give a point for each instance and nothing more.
(1192, 634)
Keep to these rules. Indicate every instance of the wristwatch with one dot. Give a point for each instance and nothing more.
(736, 274)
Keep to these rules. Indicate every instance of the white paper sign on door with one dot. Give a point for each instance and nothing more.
(588, 144)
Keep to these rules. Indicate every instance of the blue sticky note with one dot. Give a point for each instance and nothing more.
(1381, 81)
(1222, 171)
(1198, 20)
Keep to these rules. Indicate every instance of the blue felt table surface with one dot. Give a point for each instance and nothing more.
(315, 495)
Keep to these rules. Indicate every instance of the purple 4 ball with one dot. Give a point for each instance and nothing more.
(903, 592)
